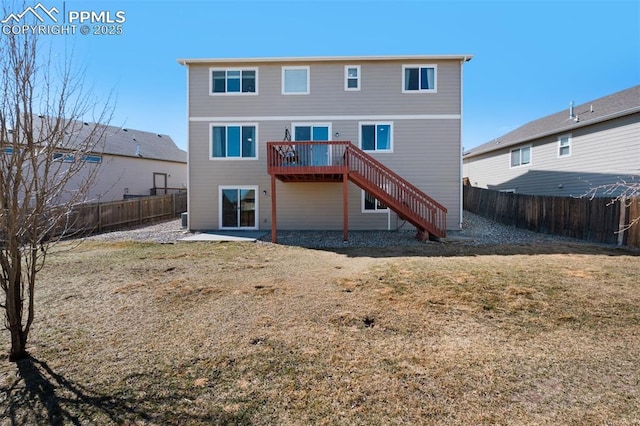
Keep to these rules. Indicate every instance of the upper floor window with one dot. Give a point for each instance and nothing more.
(295, 80)
(233, 141)
(419, 78)
(376, 137)
(64, 157)
(92, 159)
(521, 156)
(564, 146)
(234, 81)
(352, 77)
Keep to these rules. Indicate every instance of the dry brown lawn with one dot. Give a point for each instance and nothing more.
(241, 333)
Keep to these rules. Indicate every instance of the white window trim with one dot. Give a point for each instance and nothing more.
(569, 137)
(346, 78)
(285, 68)
(435, 78)
(241, 93)
(211, 157)
(390, 123)
(376, 211)
(521, 165)
(308, 124)
(257, 210)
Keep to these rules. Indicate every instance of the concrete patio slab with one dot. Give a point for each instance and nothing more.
(245, 236)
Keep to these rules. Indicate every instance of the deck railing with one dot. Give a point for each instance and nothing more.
(306, 157)
(401, 196)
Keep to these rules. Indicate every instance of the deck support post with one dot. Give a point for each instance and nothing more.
(345, 206)
(273, 210)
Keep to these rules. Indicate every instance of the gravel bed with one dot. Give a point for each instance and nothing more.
(476, 230)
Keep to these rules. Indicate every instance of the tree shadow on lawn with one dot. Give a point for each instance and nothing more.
(41, 396)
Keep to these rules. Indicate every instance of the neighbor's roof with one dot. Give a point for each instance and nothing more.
(609, 107)
(307, 59)
(132, 143)
(138, 143)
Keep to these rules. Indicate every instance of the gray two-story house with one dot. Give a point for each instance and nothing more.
(325, 143)
(583, 150)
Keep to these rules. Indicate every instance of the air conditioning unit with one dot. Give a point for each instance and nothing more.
(185, 217)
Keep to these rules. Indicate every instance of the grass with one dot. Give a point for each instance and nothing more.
(235, 333)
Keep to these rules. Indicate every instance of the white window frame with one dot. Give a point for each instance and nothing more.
(257, 210)
(568, 136)
(374, 211)
(376, 123)
(240, 93)
(435, 78)
(287, 68)
(520, 149)
(226, 158)
(346, 78)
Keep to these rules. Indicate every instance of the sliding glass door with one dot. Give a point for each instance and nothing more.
(238, 208)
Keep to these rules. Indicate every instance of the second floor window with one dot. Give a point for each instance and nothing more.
(419, 78)
(376, 137)
(564, 146)
(521, 156)
(295, 80)
(233, 141)
(234, 81)
(352, 77)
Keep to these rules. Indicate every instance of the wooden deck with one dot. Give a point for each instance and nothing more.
(341, 161)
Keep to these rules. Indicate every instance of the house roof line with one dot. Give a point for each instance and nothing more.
(461, 57)
(577, 125)
(627, 96)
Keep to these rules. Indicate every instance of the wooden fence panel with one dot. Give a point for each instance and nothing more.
(633, 233)
(588, 219)
(119, 213)
(96, 217)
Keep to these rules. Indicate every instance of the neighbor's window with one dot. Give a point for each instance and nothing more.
(372, 204)
(295, 80)
(233, 141)
(419, 78)
(92, 158)
(376, 136)
(234, 81)
(521, 156)
(564, 146)
(352, 77)
(64, 157)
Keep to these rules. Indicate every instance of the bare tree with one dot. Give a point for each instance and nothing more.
(44, 142)
(624, 191)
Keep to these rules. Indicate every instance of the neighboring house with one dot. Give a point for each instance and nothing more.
(570, 153)
(317, 143)
(131, 163)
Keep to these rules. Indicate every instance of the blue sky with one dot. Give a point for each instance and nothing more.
(531, 58)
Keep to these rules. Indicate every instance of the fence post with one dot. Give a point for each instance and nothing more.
(173, 200)
(99, 217)
(140, 211)
(622, 222)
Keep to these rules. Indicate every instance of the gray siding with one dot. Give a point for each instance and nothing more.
(381, 93)
(600, 154)
(426, 152)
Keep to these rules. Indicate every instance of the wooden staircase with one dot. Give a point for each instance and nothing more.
(285, 161)
(410, 203)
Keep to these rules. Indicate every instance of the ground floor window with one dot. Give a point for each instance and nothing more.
(371, 204)
(238, 207)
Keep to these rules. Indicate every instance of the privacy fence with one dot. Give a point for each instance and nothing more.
(597, 220)
(98, 217)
